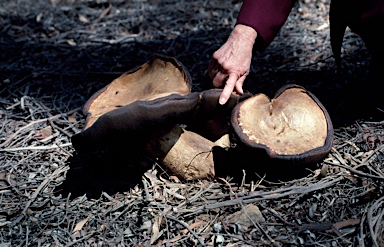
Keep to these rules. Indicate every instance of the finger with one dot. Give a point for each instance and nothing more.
(212, 64)
(213, 68)
(228, 89)
(219, 79)
(212, 73)
(239, 84)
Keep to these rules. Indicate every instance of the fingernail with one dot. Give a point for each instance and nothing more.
(222, 101)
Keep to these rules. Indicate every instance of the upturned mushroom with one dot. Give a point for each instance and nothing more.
(293, 126)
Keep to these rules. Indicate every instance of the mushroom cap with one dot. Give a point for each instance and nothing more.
(159, 77)
(292, 126)
(136, 123)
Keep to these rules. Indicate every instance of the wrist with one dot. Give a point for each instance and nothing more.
(245, 33)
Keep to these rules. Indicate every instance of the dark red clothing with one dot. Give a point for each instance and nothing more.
(266, 17)
(365, 17)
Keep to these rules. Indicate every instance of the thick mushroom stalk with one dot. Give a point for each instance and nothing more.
(184, 153)
(292, 126)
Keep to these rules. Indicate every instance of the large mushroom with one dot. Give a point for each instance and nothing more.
(142, 111)
(293, 126)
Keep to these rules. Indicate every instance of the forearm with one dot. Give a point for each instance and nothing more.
(266, 17)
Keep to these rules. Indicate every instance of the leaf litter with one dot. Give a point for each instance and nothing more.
(56, 54)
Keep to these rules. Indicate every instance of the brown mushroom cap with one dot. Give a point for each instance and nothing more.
(159, 77)
(294, 125)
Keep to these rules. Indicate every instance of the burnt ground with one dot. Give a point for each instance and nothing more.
(55, 54)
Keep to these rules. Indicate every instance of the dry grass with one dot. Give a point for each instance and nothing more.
(55, 55)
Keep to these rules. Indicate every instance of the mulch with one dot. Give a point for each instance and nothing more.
(55, 54)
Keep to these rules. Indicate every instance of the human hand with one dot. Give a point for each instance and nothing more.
(230, 64)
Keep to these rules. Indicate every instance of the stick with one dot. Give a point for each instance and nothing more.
(187, 227)
(274, 194)
(36, 148)
(354, 170)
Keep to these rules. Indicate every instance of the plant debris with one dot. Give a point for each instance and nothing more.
(55, 54)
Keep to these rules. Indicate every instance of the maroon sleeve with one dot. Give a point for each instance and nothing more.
(266, 17)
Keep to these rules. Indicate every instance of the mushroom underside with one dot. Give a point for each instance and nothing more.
(292, 125)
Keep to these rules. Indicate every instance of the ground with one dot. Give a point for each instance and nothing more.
(56, 54)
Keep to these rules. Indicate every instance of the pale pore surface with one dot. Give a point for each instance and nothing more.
(291, 124)
(150, 81)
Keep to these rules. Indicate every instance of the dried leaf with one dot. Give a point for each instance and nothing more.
(345, 223)
(39, 17)
(71, 42)
(175, 179)
(72, 119)
(324, 170)
(175, 239)
(246, 216)
(43, 133)
(80, 225)
(173, 193)
(103, 13)
(146, 225)
(323, 26)
(84, 19)
(152, 177)
(155, 229)
(193, 225)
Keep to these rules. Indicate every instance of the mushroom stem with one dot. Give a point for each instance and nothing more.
(184, 153)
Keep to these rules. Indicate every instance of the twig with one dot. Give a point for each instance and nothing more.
(353, 170)
(361, 233)
(145, 183)
(279, 193)
(375, 223)
(81, 239)
(187, 227)
(229, 186)
(36, 148)
(199, 193)
(381, 147)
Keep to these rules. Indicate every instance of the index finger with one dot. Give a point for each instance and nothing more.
(228, 89)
